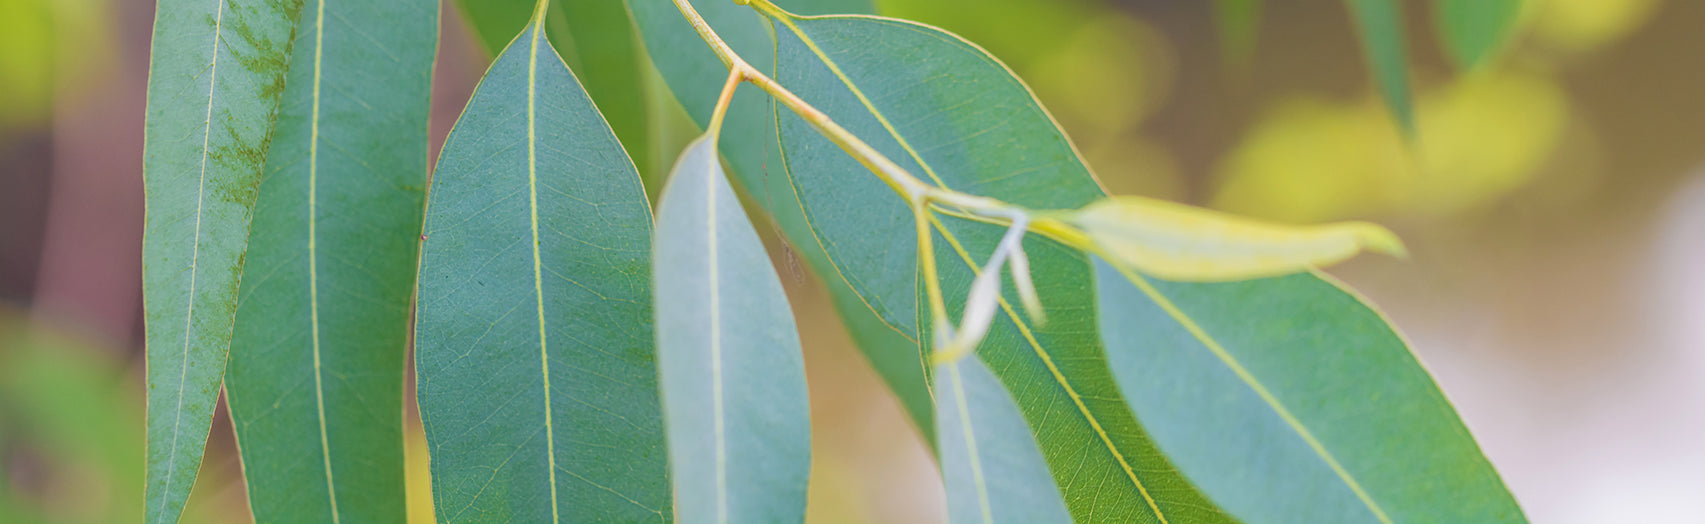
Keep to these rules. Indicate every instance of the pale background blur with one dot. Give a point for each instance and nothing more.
(1554, 202)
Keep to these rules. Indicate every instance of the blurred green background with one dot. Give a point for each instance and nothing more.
(1554, 200)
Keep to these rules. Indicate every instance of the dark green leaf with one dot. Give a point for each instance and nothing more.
(989, 462)
(1380, 24)
(947, 111)
(537, 380)
(316, 374)
(1473, 29)
(597, 40)
(215, 75)
(1289, 400)
(733, 378)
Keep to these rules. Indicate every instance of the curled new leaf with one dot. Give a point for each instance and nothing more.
(1178, 242)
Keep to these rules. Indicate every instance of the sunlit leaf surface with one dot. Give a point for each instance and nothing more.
(215, 76)
(533, 341)
(315, 381)
(732, 375)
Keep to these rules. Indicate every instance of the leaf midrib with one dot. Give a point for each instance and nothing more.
(538, 278)
(313, 257)
(194, 261)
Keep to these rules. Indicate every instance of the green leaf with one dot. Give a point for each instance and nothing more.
(1179, 242)
(733, 378)
(948, 112)
(1238, 22)
(1380, 24)
(215, 75)
(748, 144)
(315, 380)
(989, 462)
(1289, 400)
(596, 38)
(537, 380)
(1473, 29)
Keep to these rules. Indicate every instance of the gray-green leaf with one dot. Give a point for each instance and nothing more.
(1289, 400)
(537, 379)
(733, 378)
(1473, 29)
(951, 114)
(315, 380)
(1380, 24)
(216, 71)
(989, 462)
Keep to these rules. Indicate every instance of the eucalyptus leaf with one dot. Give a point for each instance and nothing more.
(216, 72)
(597, 41)
(1238, 22)
(534, 349)
(733, 378)
(1289, 400)
(315, 380)
(1380, 24)
(1473, 29)
(990, 465)
(946, 111)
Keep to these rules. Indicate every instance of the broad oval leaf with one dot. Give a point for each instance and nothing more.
(733, 378)
(315, 380)
(216, 71)
(1289, 400)
(1380, 24)
(989, 462)
(1178, 242)
(948, 112)
(533, 342)
(1473, 29)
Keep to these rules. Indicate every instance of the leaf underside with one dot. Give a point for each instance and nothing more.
(733, 378)
(534, 349)
(990, 464)
(216, 72)
(315, 379)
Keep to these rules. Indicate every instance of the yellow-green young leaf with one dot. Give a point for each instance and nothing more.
(215, 74)
(1179, 242)
(733, 378)
(315, 382)
(533, 341)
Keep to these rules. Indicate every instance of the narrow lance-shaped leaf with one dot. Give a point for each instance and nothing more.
(1473, 29)
(596, 38)
(733, 378)
(948, 112)
(1179, 242)
(748, 143)
(1289, 400)
(1380, 24)
(537, 380)
(216, 71)
(315, 380)
(990, 465)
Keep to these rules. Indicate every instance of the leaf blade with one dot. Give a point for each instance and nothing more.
(537, 378)
(739, 438)
(1090, 438)
(1473, 29)
(990, 465)
(1380, 26)
(215, 76)
(345, 177)
(1330, 418)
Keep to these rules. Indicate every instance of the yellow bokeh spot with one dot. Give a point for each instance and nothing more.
(1478, 138)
